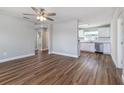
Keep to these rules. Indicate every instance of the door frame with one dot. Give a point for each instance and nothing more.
(78, 39)
(120, 41)
(39, 29)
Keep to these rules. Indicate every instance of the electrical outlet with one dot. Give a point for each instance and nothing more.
(4, 53)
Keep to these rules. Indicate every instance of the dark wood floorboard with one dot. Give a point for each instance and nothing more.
(89, 69)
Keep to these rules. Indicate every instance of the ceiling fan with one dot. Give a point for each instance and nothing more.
(41, 14)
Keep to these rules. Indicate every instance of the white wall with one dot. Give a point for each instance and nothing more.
(114, 36)
(17, 37)
(64, 38)
(50, 29)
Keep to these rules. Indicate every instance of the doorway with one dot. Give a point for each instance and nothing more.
(41, 40)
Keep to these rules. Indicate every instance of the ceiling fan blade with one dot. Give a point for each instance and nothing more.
(49, 19)
(35, 10)
(26, 17)
(29, 14)
(50, 14)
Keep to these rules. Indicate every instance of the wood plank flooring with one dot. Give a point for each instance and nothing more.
(90, 68)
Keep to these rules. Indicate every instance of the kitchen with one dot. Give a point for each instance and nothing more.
(95, 38)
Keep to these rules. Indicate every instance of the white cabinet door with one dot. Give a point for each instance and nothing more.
(87, 47)
(104, 32)
(84, 46)
(107, 48)
(92, 47)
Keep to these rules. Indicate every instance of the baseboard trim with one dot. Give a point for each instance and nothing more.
(17, 57)
(64, 54)
(114, 61)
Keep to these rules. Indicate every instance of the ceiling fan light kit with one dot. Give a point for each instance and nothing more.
(38, 17)
(44, 18)
(41, 18)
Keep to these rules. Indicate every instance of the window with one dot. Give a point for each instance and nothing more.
(88, 35)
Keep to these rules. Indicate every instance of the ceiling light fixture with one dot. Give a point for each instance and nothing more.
(38, 17)
(41, 18)
(44, 18)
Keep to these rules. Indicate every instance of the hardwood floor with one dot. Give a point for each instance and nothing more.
(90, 68)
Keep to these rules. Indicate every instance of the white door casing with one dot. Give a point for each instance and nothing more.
(120, 31)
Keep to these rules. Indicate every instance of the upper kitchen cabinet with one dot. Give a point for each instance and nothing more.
(104, 32)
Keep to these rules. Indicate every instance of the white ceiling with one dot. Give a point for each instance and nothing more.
(86, 15)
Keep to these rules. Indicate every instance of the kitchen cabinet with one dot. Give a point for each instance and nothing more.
(104, 32)
(107, 48)
(87, 46)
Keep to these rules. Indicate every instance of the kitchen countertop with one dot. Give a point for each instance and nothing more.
(95, 42)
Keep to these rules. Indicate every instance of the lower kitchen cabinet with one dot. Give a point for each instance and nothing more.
(107, 48)
(90, 47)
(87, 46)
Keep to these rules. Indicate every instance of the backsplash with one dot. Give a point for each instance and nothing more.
(98, 40)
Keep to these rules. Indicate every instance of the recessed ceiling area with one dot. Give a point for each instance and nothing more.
(85, 15)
